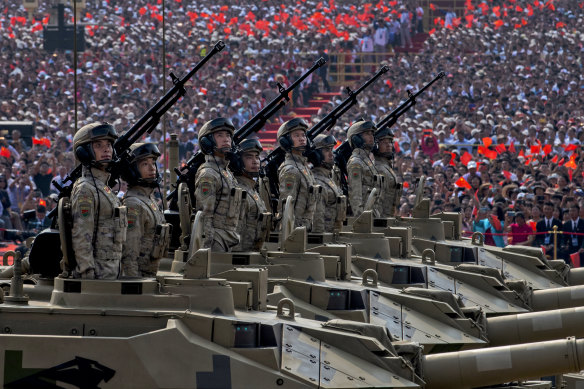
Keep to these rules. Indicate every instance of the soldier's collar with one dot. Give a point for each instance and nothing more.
(140, 190)
(98, 174)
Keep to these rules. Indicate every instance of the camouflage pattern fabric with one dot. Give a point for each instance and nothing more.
(251, 230)
(296, 180)
(361, 175)
(325, 214)
(139, 258)
(386, 205)
(213, 184)
(100, 259)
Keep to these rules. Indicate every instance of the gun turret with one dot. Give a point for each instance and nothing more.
(276, 156)
(187, 173)
(146, 124)
(343, 152)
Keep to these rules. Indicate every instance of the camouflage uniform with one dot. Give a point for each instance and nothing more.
(386, 206)
(325, 215)
(296, 180)
(141, 251)
(98, 254)
(221, 212)
(251, 229)
(362, 177)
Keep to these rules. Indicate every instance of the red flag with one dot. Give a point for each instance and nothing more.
(432, 31)
(521, 153)
(406, 184)
(560, 24)
(555, 159)
(500, 148)
(4, 152)
(535, 149)
(487, 141)
(42, 202)
(481, 150)
(512, 147)
(36, 141)
(491, 154)
(571, 147)
(575, 259)
(123, 38)
(224, 8)
(142, 11)
(432, 7)
(507, 174)
(498, 24)
(46, 142)
(466, 158)
(547, 149)
(462, 183)
(561, 162)
(203, 90)
(570, 174)
(452, 156)
(396, 147)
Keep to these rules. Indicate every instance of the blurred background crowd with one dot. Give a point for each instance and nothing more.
(498, 139)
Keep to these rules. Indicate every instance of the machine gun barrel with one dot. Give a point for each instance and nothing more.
(277, 155)
(187, 173)
(392, 117)
(146, 124)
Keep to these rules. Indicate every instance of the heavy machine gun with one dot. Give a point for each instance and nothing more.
(343, 152)
(277, 155)
(146, 124)
(187, 173)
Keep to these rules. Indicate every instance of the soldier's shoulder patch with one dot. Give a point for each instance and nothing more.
(85, 202)
(354, 171)
(206, 188)
(133, 214)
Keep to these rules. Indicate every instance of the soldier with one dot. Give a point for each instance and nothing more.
(255, 220)
(99, 221)
(148, 235)
(383, 151)
(216, 191)
(362, 176)
(332, 205)
(294, 176)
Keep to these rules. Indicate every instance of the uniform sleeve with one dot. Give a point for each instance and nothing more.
(289, 185)
(134, 233)
(205, 195)
(355, 182)
(83, 208)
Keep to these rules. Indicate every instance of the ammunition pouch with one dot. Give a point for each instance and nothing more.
(120, 224)
(313, 196)
(341, 208)
(161, 240)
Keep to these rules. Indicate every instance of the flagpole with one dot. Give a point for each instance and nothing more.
(75, 60)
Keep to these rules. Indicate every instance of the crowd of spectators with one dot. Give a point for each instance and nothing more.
(498, 138)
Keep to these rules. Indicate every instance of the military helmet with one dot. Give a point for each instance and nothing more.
(249, 145)
(144, 150)
(353, 135)
(383, 134)
(90, 133)
(131, 174)
(246, 145)
(285, 129)
(322, 141)
(206, 140)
